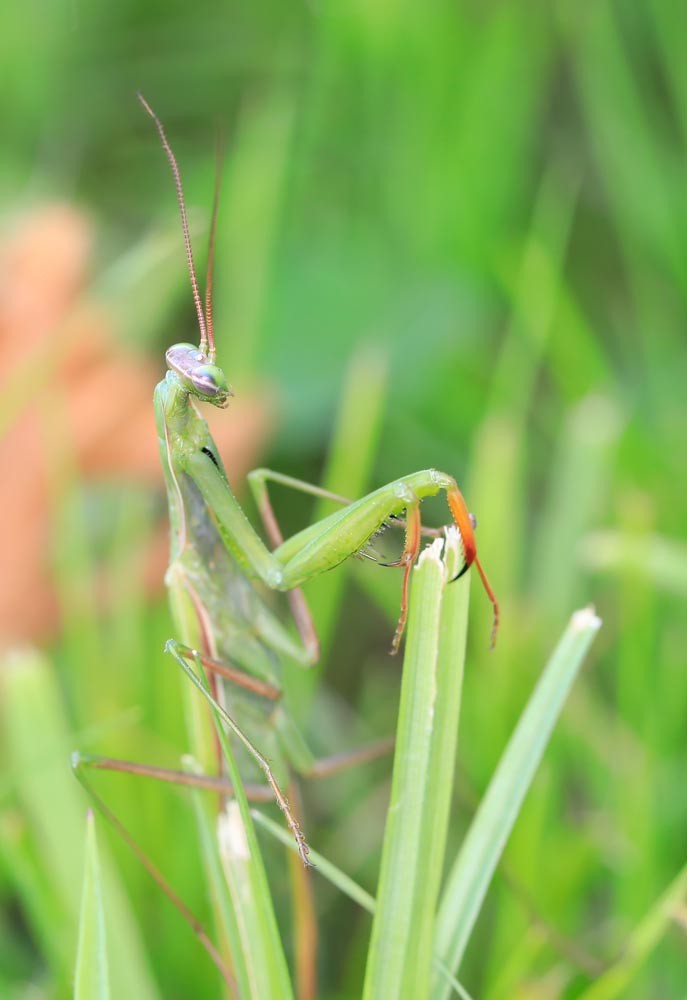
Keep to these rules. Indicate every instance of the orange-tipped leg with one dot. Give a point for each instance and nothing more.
(494, 602)
(464, 523)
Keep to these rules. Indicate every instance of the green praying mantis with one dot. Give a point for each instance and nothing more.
(220, 568)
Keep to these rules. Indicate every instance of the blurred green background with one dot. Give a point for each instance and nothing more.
(452, 235)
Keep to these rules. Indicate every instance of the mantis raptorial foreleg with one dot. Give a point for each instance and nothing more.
(344, 533)
(258, 480)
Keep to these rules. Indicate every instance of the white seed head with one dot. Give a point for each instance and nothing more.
(585, 619)
(231, 833)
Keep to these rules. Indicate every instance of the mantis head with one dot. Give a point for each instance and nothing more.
(198, 374)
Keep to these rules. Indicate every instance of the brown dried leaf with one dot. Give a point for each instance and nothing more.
(83, 401)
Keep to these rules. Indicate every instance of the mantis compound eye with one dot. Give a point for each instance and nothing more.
(210, 380)
(473, 521)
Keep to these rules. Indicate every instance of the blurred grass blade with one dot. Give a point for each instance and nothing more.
(349, 462)
(40, 905)
(144, 284)
(352, 450)
(261, 951)
(579, 485)
(474, 866)
(619, 117)
(660, 560)
(616, 981)
(91, 980)
(532, 284)
(400, 956)
(34, 724)
(251, 211)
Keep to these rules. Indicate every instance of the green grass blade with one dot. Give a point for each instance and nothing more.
(91, 980)
(36, 734)
(400, 956)
(261, 948)
(346, 885)
(615, 552)
(619, 118)
(324, 867)
(254, 191)
(475, 863)
(352, 449)
(41, 907)
(579, 485)
(226, 917)
(618, 978)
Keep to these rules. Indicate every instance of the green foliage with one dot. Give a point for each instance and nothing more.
(43, 841)
(402, 940)
(490, 198)
(91, 979)
(471, 873)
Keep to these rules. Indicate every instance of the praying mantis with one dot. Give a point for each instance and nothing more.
(220, 568)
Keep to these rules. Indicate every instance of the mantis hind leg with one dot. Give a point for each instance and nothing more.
(321, 767)
(80, 762)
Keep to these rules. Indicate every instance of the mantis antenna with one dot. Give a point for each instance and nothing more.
(219, 161)
(207, 343)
